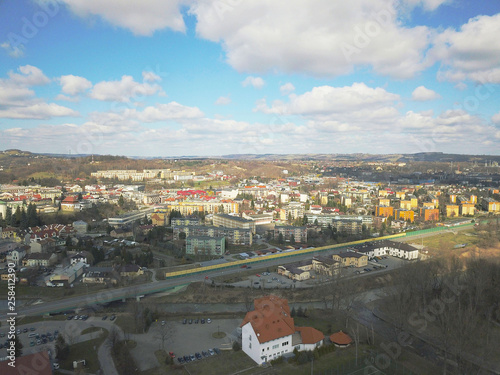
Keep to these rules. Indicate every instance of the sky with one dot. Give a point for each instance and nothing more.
(161, 78)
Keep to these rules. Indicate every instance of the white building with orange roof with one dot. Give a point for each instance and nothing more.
(269, 331)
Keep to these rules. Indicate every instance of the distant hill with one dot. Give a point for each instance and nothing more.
(417, 157)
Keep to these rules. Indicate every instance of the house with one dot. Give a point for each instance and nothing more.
(68, 274)
(122, 232)
(100, 275)
(159, 219)
(269, 331)
(80, 257)
(387, 247)
(297, 271)
(351, 258)
(16, 255)
(80, 226)
(39, 260)
(131, 270)
(325, 266)
(37, 363)
(341, 339)
(70, 203)
(46, 245)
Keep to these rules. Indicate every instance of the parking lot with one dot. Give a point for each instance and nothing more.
(183, 339)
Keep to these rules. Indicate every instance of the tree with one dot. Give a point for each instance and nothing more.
(121, 201)
(292, 239)
(280, 238)
(236, 346)
(62, 348)
(19, 347)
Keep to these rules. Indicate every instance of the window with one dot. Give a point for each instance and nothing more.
(285, 343)
(250, 338)
(250, 345)
(276, 346)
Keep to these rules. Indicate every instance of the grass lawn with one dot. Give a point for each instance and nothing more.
(127, 323)
(90, 330)
(322, 320)
(85, 350)
(39, 318)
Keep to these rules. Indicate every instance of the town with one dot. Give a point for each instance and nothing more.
(313, 242)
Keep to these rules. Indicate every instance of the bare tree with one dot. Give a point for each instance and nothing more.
(163, 333)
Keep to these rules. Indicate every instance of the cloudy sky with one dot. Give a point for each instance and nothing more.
(213, 77)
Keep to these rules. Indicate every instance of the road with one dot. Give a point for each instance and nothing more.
(109, 295)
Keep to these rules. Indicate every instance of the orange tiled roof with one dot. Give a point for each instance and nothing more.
(310, 335)
(340, 338)
(271, 318)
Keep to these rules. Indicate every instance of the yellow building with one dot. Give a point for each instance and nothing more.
(414, 202)
(473, 199)
(405, 215)
(211, 207)
(400, 194)
(453, 198)
(452, 210)
(384, 202)
(428, 205)
(384, 211)
(467, 209)
(491, 205)
(383, 193)
(351, 258)
(405, 205)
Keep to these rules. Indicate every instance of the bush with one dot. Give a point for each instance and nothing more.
(302, 358)
(236, 346)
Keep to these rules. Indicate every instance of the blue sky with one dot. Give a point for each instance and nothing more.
(214, 77)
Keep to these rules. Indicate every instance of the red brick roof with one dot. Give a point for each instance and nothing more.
(37, 363)
(340, 338)
(271, 318)
(310, 335)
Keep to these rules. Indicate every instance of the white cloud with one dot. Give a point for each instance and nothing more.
(142, 19)
(332, 101)
(18, 100)
(255, 82)
(223, 100)
(123, 90)
(16, 52)
(162, 112)
(496, 118)
(422, 93)
(287, 88)
(150, 77)
(30, 76)
(37, 111)
(320, 37)
(74, 85)
(471, 52)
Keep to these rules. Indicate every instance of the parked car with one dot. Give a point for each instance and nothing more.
(180, 360)
(184, 321)
(171, 354)
(190, 321)
(216, 350)
(211, 352)
(104, 317)
(198, 356)
(113, 317)
(209, 320)
(202, 321)
(204, 354)
(192, 357)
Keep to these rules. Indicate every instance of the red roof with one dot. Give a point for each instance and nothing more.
(310, 335)
(340, 338)
(271, 318)
(37, 363)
